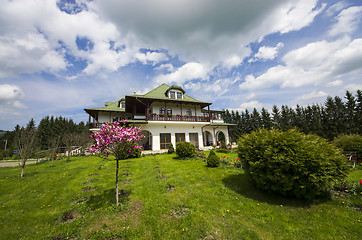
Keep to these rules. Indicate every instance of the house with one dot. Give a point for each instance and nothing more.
(167, 115)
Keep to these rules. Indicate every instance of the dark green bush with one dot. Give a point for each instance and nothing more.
(212, 160)
(170, 149)
(185, 150)
(291, 163)
(349, 143)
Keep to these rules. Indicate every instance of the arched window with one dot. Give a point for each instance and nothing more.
(169, 111)
(188, 112)
(162, 110)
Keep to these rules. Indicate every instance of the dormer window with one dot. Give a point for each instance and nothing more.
(123, 105)
(179, 95)
(172, 94)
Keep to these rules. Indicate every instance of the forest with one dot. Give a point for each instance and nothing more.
(51, 132)
(336, 116)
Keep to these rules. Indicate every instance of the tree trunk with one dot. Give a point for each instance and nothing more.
(22, 170)
(117, 183)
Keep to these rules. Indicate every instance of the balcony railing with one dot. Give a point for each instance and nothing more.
(165, 117)
(161, 117)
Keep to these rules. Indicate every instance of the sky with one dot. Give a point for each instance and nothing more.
(58, 57)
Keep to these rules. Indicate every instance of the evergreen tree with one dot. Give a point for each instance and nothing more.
(351, 113)
(276, 117)
(266, 119)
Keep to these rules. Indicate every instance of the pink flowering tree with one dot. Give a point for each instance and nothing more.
(118, 140)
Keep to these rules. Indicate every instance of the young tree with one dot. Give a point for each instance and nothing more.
(25, 141)
(53, 144)
(117, 140)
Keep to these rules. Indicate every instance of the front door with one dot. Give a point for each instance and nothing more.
(194, 139)
(165, 140)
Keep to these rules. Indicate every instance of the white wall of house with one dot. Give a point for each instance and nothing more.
(157, 127)
(176, 108)
(214, 130)
(108, 116)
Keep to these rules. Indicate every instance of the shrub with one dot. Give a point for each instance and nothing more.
(170, 149)
(291, 163)
(349, 143)
(223, 145)
(212, 160)
(185, 150)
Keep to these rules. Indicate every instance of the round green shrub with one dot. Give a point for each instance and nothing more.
(170, 149)
(185, 150)
(212, 160)
(291, 163)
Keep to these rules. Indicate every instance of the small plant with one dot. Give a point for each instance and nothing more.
(212, 160)
(185, 150)
(237, 163)
(170, 149)
(223, 145)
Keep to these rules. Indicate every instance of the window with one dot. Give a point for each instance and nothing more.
(179, 95)
(165, 140)
(162, 110)
(169, 111)
(180, 137)
(188, 112)
(194, 139)
(123, 105)
(172, 94)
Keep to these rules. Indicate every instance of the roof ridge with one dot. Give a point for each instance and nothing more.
(154, 89)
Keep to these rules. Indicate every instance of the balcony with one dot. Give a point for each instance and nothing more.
(177, 118)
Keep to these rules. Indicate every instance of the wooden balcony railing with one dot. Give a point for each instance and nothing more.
(162, 117)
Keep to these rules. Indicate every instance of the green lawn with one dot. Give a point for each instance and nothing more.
(162, 198)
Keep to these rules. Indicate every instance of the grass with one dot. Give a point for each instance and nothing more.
(161, 198)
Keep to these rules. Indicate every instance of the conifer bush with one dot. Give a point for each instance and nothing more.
(170, 149)
(291, 163)
(212, 160)
(185, 150)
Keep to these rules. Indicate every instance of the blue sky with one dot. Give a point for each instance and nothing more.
(58, 57)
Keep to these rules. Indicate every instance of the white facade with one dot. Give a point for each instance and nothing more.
(170, 118)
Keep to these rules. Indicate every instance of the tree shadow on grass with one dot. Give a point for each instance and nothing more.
(107, 198)
(241, 184)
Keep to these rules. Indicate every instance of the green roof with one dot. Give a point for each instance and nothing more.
(110, 107)
(160, 93)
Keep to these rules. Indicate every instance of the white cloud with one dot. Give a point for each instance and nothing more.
(165, 67)
(312, 95)
(347, 21)
(249, 105)
(153, 57)
(28, 54)
(313, 64)
(336, 8)
(335, 83)
(187, 72)
(210, 32)
(11, 97)
(267, 53)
